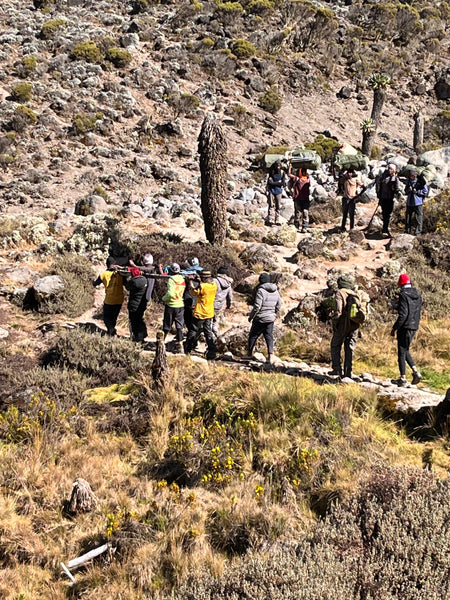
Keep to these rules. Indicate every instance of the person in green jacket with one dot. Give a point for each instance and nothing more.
(174, 303)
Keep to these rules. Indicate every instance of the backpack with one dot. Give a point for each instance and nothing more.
(357, 307)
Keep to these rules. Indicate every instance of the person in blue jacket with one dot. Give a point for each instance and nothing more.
(416, 191)
(275, 184)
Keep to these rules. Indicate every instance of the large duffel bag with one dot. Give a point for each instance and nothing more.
(308, 159)
(347, 161)
(428, 172)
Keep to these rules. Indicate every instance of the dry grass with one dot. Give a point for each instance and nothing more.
(299, 447)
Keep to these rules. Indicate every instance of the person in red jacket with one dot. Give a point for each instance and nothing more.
(300, 194)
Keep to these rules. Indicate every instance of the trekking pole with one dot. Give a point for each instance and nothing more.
(372, 218)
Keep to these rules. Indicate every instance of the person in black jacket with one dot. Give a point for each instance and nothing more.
(137, 303)
(387, 189)
(409, 307)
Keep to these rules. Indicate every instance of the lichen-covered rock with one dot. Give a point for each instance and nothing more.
(401, 244)
(281, 236)
(47, 287)
(259, 255)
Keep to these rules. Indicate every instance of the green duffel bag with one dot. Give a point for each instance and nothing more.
(308, 159)
(270, 159)
(347, 161)
(428, 172)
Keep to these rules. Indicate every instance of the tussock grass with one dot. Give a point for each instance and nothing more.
(173, 503)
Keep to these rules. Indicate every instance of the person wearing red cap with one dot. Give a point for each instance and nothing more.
(137, 303)
(409, 306)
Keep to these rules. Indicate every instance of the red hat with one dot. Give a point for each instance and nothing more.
(403, 279)
(135, 272)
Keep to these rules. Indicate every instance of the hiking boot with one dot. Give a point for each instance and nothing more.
(400, 382)
(335, 373)
(417, 378)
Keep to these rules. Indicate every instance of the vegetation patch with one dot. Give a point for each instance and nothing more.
(87, 51)
(119, 57)
(22, 92)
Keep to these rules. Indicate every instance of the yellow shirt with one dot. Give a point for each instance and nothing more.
(113, 283)
(205, 293)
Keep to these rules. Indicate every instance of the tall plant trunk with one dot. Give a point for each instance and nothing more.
(379, 96)
(418, 132)
(160, 366)
(212, 147)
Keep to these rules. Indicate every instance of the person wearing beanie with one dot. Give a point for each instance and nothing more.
(266, 306)
(388, 188)
(345, 331)
(409, 307)
(174, 304)
(147, 269)
(137, 303)
(113, 283)
(203, 313)
(416, 191)
(223, 299)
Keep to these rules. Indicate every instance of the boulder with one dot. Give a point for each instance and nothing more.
(310, 247)
(3, 333)
(442, 85)
(319, 194)
(281, 236)
(247, 195)
(47, 287)
(401, 244)
(90, 205)
(259, 255)
(440, 159)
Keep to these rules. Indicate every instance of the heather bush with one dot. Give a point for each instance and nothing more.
(23, 117)
(242, 48)
(76, 297)
(388, 542)
(183, 103)
(87, 51)
(27, 67)
(107, 359)
(326, 147)
(119, 57)
(22, 92)
(49, 28)
(271, 101)
(82, 122)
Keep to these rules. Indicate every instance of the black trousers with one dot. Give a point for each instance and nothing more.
(404, 339)
(257, 329)
(110, 316)
(174, 315)
(348, 210)
(197, 326)
(387, 206)
(138, 328)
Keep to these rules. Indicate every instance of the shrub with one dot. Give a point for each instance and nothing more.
(109, 360)
(43, 3)
(242, 48)
(230, 8)
(22, 92)
(183, 103)
(120, 58)
(208, 42)
(99, 191)
(76, 298)
(29, 64)
(87, 51)
(243, 119)
(271, 101)
(23, 116)
(139, 6)
(261, 7)
(49, 28)
(390, 542)
(326, 147)
(82, 122)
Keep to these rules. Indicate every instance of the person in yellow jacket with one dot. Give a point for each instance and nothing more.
(203, 314)
(174, 303)
(113, 283)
